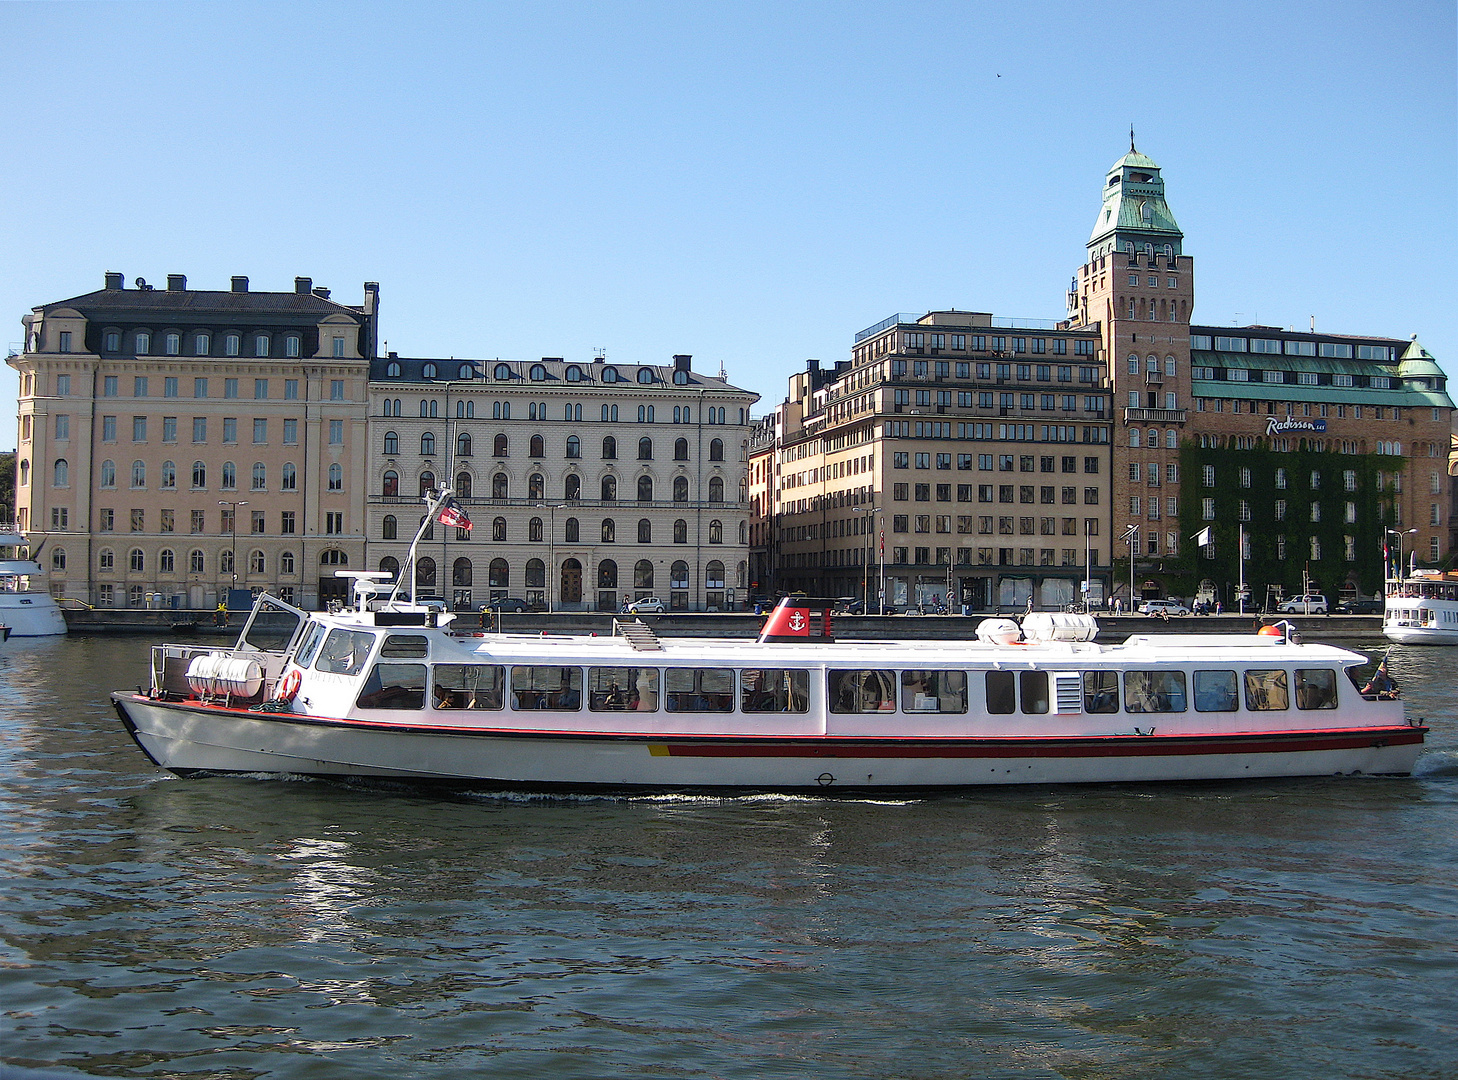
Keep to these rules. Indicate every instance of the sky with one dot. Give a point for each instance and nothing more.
(751, 183)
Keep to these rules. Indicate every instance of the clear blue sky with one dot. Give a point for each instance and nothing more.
(750, 182)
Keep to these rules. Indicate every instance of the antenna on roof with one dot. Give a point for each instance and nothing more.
(599, 354)
(722, 373)
(1131, 139)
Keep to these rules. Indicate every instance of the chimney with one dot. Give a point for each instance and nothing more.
(372, 297)
(177, 283)
(115, 280)
(681, 361)
(240, 283)
(321, 292)
(303, 285)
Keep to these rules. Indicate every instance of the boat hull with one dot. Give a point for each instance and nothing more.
(187, 738)
(1420, 635)
(31, 615)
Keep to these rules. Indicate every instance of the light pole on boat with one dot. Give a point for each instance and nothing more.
(551, 550)
(1397, 564)
(866, 569)
(233, 536)
(1131, 537)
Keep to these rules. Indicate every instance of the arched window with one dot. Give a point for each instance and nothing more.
(609, 531)
(538, 373)
(137, 561)
(609, 448)
(570, 530)
(230, 476)
(289, 477)
(610, 375)
(716, 449)
(499, 486)
(536, 574)
(463, 484)
(260, 476)
(392, 442)
(256, 562)
(645, 375)
(744, 532)
(199, 475)
(336, 476)
(536, 486)
(645, 489)
(461, 573)
(574, 373)
(463, 444)
(58, 558)
(678, 575)
(572, 487)
(195, 561)
(744, 489)
(714, 575)
(574, 446)
(1134, 437)
(429, 370)
(392, 371)
(498, 574)
(390, 565)
(333, 557)
(609, 488)
(643, 574)
(286, 562)
(498, 529)
(538, 447)
(680, 378)
(388, 528)
(464, 372)
(680, 449)
(139, 474)
(108, 473)
(645, 531)
(25, 473)
(499, 446)
(607, 574)
(427, 482)
(225, 562)
(716, 531)
(680, 531)
(427, 444)
(391, 485)
(502, 371)
(424, 572)
(680, 489)
(260, 344)
(169, 475)
(645, 449)
(534, 530)
(167, 561)
(716, 489)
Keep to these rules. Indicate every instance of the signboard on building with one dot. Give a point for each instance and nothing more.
(1279, 425)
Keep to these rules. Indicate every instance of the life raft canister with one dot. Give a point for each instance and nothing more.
(289, 686)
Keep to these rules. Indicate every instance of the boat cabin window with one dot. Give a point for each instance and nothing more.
(1215, 691)
(469, 686)
(774, 690)
(1100, 691)
(403, 647)
(622, 689)
(1265, 690)
(862, 691)
(345, 652)
(1154, 691)
(934, 691)
(393, 686)
(1002, 695)
(1033, 688)
(542, 687)
(699, 689)
(271, 626)
(312, 636)
(1316, 688)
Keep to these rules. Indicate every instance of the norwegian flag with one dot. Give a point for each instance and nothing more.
(453, 514)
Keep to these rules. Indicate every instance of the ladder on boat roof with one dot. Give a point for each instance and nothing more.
(639, 635)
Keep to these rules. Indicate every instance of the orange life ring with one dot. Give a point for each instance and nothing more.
(290, 685)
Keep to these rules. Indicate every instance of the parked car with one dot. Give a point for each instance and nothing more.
(648, 605)
(1163, 607)
(1310, 604)
(507, 603)
(1361, 607)
(850, 605)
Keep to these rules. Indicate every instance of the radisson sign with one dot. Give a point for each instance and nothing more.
(1276, 425)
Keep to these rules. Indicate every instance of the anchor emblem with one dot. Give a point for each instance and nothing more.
(797, 621)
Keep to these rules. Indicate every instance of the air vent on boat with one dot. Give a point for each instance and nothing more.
(639, 635)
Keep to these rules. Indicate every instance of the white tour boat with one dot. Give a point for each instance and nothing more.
(393, 689)
(1422, 609)
(27, 612)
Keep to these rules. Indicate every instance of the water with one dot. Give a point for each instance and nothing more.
(156, 927)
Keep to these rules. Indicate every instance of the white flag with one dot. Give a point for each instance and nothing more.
(1204, 537)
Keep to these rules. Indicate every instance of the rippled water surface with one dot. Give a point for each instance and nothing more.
(156, 927)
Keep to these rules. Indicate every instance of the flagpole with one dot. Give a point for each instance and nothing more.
(432, 504)
(1240, 558)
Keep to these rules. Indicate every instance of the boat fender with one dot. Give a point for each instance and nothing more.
(290, 686)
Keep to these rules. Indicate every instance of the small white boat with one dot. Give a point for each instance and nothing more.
(28, 612)
(1422, 609)
(392, 689)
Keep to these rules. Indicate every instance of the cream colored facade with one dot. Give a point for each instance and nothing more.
(148, 417)
(588, 484)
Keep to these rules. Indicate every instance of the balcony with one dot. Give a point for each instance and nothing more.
(1157, 416)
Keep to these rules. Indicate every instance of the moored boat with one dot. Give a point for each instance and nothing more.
(1422, 609)
(27, 611)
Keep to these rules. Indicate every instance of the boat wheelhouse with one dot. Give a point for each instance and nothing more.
(1422, 609)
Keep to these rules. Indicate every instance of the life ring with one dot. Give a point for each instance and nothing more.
(290, 686)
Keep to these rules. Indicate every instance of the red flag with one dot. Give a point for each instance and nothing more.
(454, 514)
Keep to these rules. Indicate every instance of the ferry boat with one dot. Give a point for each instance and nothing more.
(26, 611)
(390, 688)
(1422, 608)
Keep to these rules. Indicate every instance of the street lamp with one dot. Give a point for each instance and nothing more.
(233, 504)
(1399, 533)
(551, 549)
(1132, 538)
(866, 569)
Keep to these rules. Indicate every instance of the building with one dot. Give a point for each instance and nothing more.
(175, 443)
(588, 484)
(1308, 445)
(954, 456)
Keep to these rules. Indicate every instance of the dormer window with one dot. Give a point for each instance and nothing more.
(392, 369)
(429, 371)
(680, 378)
(574, 373)
(202, 345)
(291, 345)
(502, 371)
(144, 343)
(610, 375)
(465, 372)
(538, 373)
(645, 375)
(260, 345)
(232, 343)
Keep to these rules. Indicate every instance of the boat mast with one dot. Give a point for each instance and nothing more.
(433, 501)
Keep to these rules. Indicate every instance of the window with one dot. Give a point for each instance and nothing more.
(427, 444)
(336, 476)
(336, 389)
(260, 476)
(230, 388)
(260, 431)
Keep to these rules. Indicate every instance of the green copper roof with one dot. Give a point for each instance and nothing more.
(1416, 360)
(1134, 159)
(1134, 207)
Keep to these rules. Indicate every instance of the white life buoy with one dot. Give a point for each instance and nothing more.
(290, 685)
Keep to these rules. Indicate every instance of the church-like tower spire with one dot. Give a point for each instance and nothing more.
(1134, 209)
